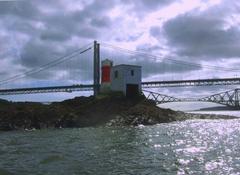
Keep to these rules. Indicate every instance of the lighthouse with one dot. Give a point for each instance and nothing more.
(121, 78)
(106, 76)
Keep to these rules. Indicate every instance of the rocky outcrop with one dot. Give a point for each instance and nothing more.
(89, 111)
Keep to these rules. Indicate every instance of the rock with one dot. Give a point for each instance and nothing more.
(111, 110)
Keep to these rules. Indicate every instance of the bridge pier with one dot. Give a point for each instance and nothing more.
(96, 68)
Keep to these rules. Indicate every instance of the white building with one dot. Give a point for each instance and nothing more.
(121, 78)
(126, 79)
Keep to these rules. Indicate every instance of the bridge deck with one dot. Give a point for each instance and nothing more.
(150, 84)
(200, 82)
(46, 89)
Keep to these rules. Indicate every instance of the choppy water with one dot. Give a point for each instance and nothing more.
(190, 147)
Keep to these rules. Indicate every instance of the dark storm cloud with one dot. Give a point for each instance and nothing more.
(202, 34)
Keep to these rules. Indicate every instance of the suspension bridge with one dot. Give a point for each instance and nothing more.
(229, 97)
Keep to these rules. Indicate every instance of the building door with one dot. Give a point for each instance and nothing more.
(132, 90)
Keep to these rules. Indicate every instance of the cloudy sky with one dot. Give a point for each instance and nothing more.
(202, 33)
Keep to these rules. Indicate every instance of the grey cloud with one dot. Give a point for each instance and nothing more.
(98, 6)
(37, 53)
(23, 27)
(161, 64)
(55, 35)
(20, 9)
(155, 31)
(150, 66)
(69, 26)
(149, 48)
(83, 23)
(3, 74)
(59, 27)
(129, 38)
(141, 7)
(153, 4)
(44, 42)
(94, 10)
(20, 16)
(88, 32)
(46, 75)
(101, 22)
(200, 35)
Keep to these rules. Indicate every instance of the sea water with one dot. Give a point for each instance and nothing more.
(188, 147)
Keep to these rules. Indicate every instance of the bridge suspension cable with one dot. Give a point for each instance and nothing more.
(49, 64)
(180, 62)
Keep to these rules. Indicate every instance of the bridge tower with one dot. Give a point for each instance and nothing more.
(96, 68)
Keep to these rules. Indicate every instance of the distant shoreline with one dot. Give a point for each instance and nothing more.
(218, 108)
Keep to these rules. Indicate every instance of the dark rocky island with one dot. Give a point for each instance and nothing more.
(110, 110)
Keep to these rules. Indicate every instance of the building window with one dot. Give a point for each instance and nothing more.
(116, 74)
(132, 72)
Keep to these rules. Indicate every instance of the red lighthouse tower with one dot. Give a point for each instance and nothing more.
(106, 75)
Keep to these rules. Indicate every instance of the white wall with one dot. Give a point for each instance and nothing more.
(125, 77)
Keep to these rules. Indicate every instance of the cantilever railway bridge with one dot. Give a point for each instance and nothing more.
(229, 98)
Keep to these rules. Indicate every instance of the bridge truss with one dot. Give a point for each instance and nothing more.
(160, 98)
(228, 98)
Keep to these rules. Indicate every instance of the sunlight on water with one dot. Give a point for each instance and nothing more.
(190, 147)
